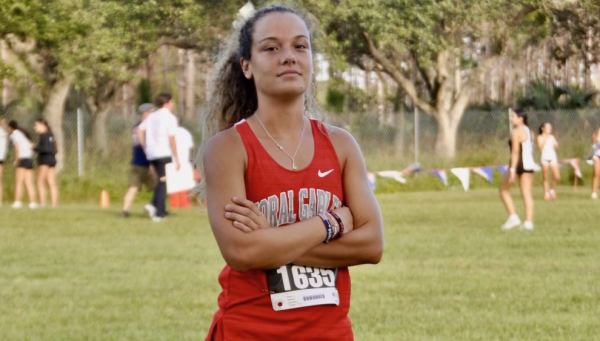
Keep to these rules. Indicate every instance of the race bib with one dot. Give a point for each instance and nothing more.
(296, 286)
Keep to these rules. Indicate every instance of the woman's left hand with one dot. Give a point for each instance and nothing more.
(245, 215)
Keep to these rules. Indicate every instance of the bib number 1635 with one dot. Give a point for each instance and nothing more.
(296, 286)
(303, 277)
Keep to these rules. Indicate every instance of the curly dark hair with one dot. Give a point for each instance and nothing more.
(231, 96)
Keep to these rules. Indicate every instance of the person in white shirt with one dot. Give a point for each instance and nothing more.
(23, 164)
(185, 146)
(548, 144)
(3, 148)
(157, 136)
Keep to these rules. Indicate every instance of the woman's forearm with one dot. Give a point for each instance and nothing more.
(363, 245)
(271, 248)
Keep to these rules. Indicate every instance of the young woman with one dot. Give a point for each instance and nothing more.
(281, 189)
(46, 149)
(3, 149)
(596, 159)
(548, 145)
(23, 164)
(521, 166)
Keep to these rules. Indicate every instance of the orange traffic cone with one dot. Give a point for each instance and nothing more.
(174, 200)
(104, 201)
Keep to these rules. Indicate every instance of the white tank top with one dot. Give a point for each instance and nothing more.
(527, 151)
(548, 151)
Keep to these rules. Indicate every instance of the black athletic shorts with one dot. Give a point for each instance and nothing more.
(47, 160)
(520, 170)
(25, 163)
(1, 162)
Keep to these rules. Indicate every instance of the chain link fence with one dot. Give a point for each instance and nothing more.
(389, 141)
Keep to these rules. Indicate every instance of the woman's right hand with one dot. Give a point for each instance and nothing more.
(346, 216)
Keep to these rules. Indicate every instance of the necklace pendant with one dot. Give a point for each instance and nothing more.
(294, 165)
(280, 147)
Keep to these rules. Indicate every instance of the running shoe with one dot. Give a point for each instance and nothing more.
(512, 222)
(527, 226)
(151, 210)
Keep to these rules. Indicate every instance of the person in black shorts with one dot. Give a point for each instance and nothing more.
(23, 165)
(521, 166)
(46, 150)
(141, 173)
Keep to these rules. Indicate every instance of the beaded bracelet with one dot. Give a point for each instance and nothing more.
(328, 227)
(339, 221)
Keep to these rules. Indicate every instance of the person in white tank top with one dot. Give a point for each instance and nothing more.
(521, 166)
(548, 145)
(596, 159)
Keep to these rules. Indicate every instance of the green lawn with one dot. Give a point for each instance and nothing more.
(448, 273)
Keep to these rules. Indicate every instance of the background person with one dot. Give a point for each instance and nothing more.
(521, 166)
(185, 149)
(596, 160)
(23, 165)
(268, 176)
(157, 136)
(46, 149)
(140, 173)
(548, 145)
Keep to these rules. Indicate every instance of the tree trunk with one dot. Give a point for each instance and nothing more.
(54, 110)
(448, 118)
(99, 107)
(100, 137)
(181, 82)
(5, 82)
(445, 144)
(190, 87)
(400, 123)
(400, 136)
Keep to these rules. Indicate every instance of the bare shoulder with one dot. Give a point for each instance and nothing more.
(519, 134)
(340, 136)
(225, 145)
(345, 145)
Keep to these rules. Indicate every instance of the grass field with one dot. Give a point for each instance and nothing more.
(448, 273)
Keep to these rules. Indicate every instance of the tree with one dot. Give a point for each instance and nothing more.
(435, 51)
(97, 46)
(576, 33)
(43, 40)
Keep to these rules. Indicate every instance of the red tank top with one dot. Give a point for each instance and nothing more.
(285, 196)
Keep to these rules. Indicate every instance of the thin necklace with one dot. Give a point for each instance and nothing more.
(292, 157)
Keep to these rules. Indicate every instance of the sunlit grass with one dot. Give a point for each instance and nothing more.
(448, 273)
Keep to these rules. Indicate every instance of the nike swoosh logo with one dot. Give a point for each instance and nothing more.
(322, 175)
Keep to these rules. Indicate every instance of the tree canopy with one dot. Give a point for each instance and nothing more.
(434, 50)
